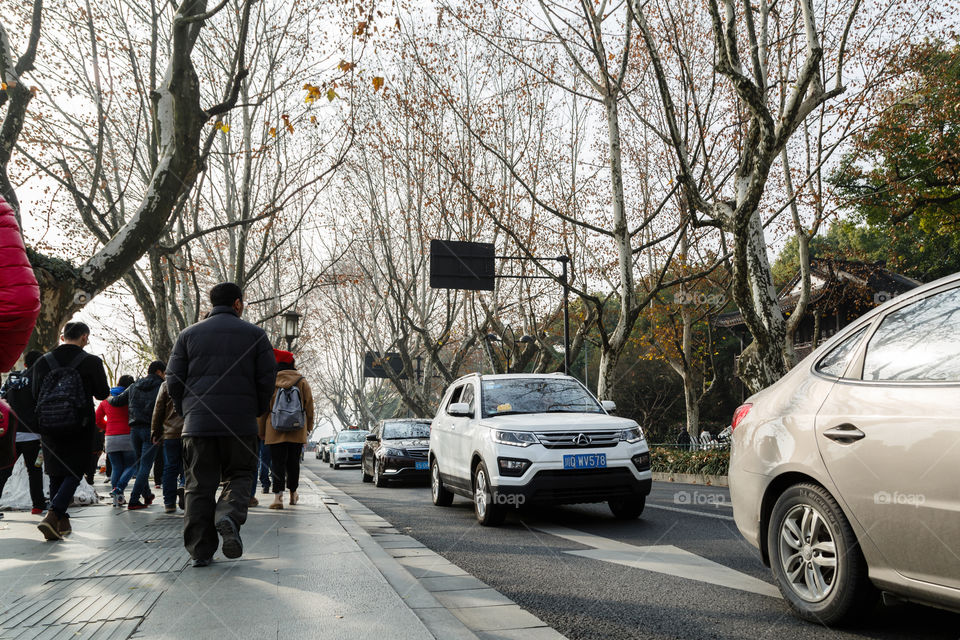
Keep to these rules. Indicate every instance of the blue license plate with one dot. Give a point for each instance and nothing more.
(585, 461)
(422, 465)
(355, 457)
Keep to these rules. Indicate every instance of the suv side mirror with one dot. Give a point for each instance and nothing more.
(459, 409)
(609, 406)
(372, 437)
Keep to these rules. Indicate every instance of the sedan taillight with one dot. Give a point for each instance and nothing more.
(740, 414)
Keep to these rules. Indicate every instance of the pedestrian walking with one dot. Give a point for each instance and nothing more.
(19, 306)
(221, 375)
(18, 393)
(141, 397)
(64, 382)
(115, 424)
(167, 427)
(285, 428)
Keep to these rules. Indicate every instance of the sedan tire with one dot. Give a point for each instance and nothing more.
(816, 559)
(378, 478)
(366, 476)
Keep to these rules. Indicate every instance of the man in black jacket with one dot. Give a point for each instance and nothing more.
(141, 396)
(18, 392)
(66, 455)
(221, 376)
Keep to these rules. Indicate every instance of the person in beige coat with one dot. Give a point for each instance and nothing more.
(166, 427)
(286, 446)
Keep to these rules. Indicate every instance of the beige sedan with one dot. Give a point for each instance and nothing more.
(846, 472)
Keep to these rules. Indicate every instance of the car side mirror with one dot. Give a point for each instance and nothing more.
(609, 406)
(459, 409)
(372, 437)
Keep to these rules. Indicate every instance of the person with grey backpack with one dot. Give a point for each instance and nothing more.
(64, 382)
(286, 426)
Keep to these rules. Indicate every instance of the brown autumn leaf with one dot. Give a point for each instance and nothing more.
(378, 83)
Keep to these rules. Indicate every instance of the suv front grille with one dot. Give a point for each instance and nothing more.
(566, 439)
(418, 453)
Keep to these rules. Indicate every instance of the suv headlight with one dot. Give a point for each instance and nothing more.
(393, 453)
(634, 434)
(515, 438)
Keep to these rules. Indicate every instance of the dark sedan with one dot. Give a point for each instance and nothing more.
(396, 449)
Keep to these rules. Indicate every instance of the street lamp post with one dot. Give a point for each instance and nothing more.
(291, 328)
(508, 353)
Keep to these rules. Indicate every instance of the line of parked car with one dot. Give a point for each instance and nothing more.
(842, 474)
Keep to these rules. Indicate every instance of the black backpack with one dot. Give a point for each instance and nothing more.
(62, 399)
(18, 393)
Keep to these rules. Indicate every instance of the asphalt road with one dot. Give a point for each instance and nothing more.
(587, 597)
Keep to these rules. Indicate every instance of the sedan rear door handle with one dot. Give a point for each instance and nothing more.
(844, 434)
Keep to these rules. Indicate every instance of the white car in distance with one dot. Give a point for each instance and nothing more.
(510, 440)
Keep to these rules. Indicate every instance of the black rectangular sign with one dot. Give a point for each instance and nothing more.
(374, 365)
(461, 265)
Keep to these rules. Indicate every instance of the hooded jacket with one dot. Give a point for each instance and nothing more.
(140, 397)
(113, 421)
(19, 293)
(285, 380)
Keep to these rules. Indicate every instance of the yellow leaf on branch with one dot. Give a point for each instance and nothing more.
(377, 83)
(331, 94)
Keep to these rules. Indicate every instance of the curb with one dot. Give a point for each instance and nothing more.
(691, 478)
(448, 600)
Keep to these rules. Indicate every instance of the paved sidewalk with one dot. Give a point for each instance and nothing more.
(124, 574)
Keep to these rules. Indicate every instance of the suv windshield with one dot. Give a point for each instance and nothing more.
(351, 436)
(401, 430)
(536, 395)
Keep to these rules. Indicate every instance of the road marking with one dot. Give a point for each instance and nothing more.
(666, 559)
(690, 511)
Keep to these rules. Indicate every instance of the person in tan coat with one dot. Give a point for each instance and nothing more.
(286, 444)
(166, 427)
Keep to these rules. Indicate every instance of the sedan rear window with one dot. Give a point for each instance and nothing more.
(836, 361)
(536, 395)
(918, 342)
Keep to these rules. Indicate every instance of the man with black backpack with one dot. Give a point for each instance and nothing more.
(18, 392)
(286, 427)
(141, 398)
(65, 381)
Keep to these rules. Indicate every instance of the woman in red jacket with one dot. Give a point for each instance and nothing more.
(19, 306)
(115, 423)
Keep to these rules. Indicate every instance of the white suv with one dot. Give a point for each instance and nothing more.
(515, 439)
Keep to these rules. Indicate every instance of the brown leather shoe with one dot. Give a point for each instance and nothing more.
(253, 501)
(50, 526)
(64, 526)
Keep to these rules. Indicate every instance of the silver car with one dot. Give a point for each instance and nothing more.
(846, 472)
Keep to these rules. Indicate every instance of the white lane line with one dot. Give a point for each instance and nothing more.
(666, 559)
(690, 511)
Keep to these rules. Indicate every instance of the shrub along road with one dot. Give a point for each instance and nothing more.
(681, 571)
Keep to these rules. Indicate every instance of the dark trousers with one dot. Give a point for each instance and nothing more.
(285, 465)
(124, 465)
(264, 466)
(29, 450)
(62, 489)
(159, 465)
(207, 461)
(92, 467)
(172, 469)
(146, 453)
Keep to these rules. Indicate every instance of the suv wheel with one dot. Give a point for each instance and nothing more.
(378, 479)
(488, 513)
(442, 497)
(366, 476)
(627, 508)
(816, 558)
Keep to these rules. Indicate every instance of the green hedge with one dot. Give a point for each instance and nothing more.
(713, 462)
